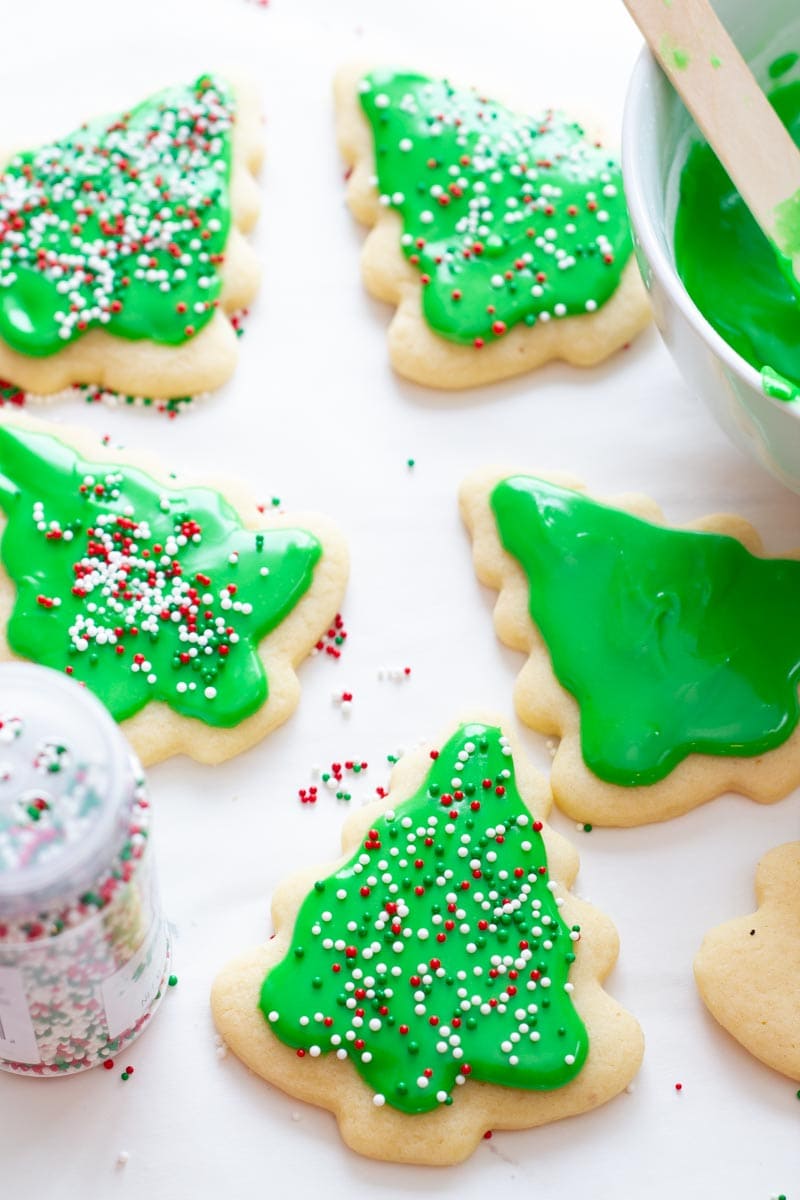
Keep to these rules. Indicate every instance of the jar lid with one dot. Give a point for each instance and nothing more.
(65, 787)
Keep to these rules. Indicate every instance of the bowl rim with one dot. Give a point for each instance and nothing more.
(645, 77)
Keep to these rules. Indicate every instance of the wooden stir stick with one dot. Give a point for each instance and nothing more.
(719, 90)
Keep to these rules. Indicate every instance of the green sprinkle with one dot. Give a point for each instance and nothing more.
(276, 501)
(125, 1075)
(715, 62)
(587, 828)
(173, 980)
(410, 462)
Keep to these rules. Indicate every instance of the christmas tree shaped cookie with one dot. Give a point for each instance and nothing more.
(439, 980)
(502, 239)
(667, 661)
(122, 249)
(182, 607)
(748, 970)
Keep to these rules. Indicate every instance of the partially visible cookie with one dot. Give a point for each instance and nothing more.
(748, 970)
(667, 661)
(440, 979)
(184, 608)
(502, 239)
(122, 252)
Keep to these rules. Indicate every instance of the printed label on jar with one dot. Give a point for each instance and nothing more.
(130, 993)
(17, 1038)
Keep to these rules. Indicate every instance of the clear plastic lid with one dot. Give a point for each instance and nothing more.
(66, 779)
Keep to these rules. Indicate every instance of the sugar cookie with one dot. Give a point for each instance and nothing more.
(667, 661)
(122, 251)
(439, 980)
(748, 970)
(182, 607)
(503, 240)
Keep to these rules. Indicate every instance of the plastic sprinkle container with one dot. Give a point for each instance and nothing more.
(84, 949)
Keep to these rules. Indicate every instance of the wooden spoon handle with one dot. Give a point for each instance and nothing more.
(718, 88)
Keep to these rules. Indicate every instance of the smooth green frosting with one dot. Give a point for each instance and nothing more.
(508, 218)
(120, 225)
(437, 952)
(671, 641)
(142, 592)
(729, 268)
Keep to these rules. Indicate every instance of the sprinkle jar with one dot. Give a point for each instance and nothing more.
(84, 949)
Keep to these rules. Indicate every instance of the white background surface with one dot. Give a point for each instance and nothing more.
(314, 415)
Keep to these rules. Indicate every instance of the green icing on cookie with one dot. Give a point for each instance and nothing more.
(672, 642)
(507, 218)
(437, 952)
(142, 592)
(121, 225)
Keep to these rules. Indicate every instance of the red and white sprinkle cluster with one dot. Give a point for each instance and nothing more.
(333, 780)
(333, 640)
(130, 586)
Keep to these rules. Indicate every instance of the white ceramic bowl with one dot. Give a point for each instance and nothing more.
(656, 135)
